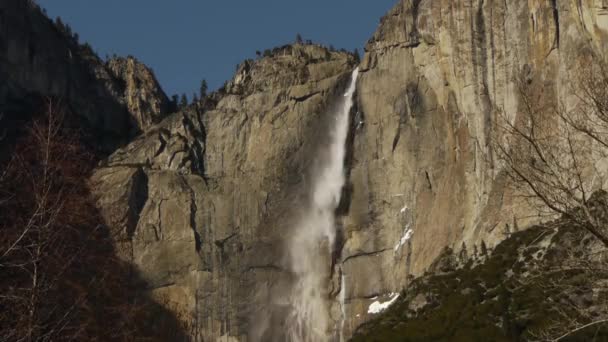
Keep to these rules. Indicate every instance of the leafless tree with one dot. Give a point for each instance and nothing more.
(575, 289)
(59, 276)
(554, 149)
(44, 207)
(555, 153)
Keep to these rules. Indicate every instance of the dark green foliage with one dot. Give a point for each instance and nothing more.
(183, 101)
(493, 301)
(267, 53)
(68, 30)
(88, 49)
(175, 102)
(59, 24)
(484, 248)
(299, 39)
(85, 49)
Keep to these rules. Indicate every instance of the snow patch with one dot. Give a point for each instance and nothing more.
(377, 307)
(407, 234)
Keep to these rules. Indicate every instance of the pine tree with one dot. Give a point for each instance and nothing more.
(357, 56)
(484, 248)
(464, 255)
(194, 98)
(68, 30)
(203, 91)
(299, 39)
(59, 24)
(183, 102)
(175, 102)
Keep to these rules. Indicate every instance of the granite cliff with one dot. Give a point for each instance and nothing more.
(434, 78)
(41, 59)
(203, 200)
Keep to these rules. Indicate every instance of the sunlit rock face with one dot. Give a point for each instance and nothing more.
(204, 202)
(140, 90)
(207, 202)
(433, 80)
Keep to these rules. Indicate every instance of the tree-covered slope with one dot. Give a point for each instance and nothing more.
(539, 284)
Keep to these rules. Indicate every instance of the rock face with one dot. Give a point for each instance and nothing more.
(433, 80)
(40, 59)
(206, 197)
(143, 96)
(201, 202)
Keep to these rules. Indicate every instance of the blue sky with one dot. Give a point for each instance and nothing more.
(185, 41)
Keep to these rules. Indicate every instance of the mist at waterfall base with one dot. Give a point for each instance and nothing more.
(311, 246)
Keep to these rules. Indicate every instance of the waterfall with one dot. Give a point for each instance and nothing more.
(310, 247)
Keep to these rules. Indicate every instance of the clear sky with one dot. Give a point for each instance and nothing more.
(185, 41)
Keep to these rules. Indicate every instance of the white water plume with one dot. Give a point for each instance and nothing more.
(311, 246)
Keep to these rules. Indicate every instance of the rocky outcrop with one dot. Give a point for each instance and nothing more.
(41, 60)
(201, 201)
(433, 80)
(143, 96)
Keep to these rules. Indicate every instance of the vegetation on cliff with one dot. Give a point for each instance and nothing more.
(532, 286)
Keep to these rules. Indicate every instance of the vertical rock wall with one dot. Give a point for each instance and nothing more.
(433, 80)
(39, 60)
(203, 202)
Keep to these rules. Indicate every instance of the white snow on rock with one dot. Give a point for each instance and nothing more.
(407, 234)
(377, 307)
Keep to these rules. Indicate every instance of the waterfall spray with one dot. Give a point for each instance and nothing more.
(311, 246)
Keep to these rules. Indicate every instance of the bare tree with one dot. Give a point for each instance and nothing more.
(575, 289)
(554, 149)
(555, 154)
(40, 193)
(60, 278)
